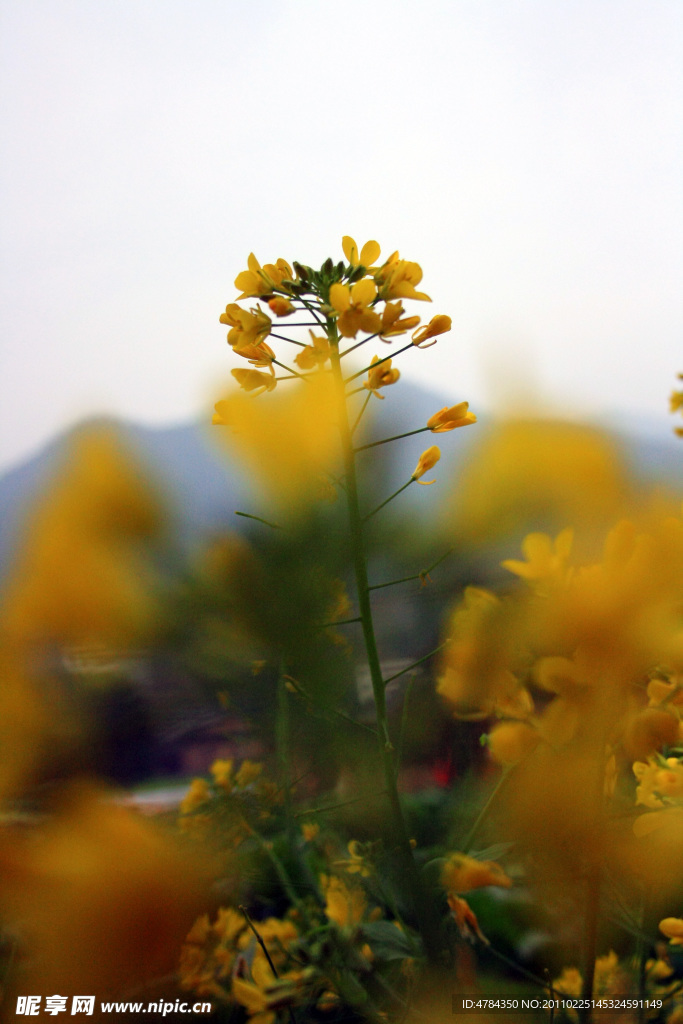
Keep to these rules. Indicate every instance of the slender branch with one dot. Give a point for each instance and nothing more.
(282, 741)
(422, 575)
(335, 807)
(309, 306)
(517, 967)
(483, 813)
(283, 337)
(340, 622)
(396, 437)
(262, 944)
(386, 502)
(358, 344)
(303, 376)
(404, 722)
(279, 870)
(299, 689)
(360, 414)
(247, 515)
(419, 661)
(372, 366)
(259, 940)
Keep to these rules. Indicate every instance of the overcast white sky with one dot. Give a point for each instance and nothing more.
(527, 153)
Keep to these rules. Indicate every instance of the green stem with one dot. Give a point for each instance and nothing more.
(593, 875)
(422, 575)
(483, 813)
(339, 622)
(414, 664)
(333, 807)
(247, 515)
(312, 311)
(329, 711)
(358, 344)
(360, 414)
(262, 944)
(282, 741)
(386, 502)
(396, 437)
(302, 376)
(283, 337)
(372, 366)
(420, 902)
(404, 723)
(281, 872)
(642, 951)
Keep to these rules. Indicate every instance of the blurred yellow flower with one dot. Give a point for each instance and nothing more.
(344, 905)
(525, 472)
(510, 742)
(248, 772)
(222, 774)
(103, 898)
(315, 354)
(465, 919)
(249, 380)
(197, 794)
(672, 927)
(462, 873)
(449, 419)
(288, 442)
(427, 461)
(546, 560)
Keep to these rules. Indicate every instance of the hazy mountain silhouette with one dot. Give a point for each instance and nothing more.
(205, 485)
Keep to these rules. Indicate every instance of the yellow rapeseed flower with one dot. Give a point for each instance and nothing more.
(352, 305)
(380, 375)
(397, 279)
(394, 323)
(427, 461)
(450, 419)
(439, 324)
(258, 281)
(315, 354)
(247, 327)
(368, 254)
(249, 380)
(281, 306)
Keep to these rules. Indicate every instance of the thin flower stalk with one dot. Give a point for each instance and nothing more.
(420, 904)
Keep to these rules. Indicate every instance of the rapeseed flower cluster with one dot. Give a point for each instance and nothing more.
(292, 444)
